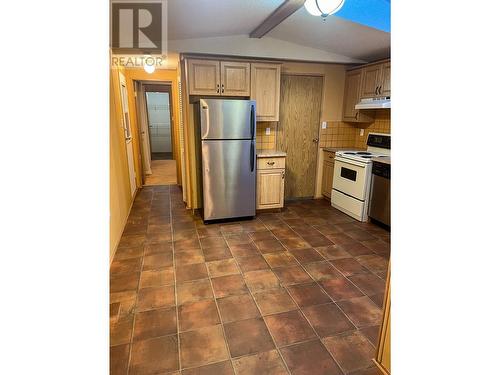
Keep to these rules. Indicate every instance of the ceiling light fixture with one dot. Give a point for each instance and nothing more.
(149, 64)
(323, 8)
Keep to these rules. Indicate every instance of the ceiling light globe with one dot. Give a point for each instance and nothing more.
(323, 7)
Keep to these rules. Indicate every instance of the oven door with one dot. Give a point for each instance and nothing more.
(349, 177)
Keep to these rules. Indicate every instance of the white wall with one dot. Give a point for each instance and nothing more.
(159, 121)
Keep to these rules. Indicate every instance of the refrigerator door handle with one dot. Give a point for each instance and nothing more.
(252, 121)
(206, 120)
(252, 156)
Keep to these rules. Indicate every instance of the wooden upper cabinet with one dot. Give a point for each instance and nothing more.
(204, 77)
(235, 78)
(265, 90)
(385, 81)
(351, 94)
(371, 81)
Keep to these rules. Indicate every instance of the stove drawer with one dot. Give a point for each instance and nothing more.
(350, 178)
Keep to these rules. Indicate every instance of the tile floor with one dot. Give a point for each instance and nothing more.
(295, 292)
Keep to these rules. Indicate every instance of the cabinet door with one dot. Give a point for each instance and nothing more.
(265, 90)
(327, 178)
(385, 81)
(371, 81)
(351, 94)
(204, 77)
(235, 78)
(270, 188)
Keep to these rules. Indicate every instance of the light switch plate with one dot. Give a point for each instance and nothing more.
(361, 132)
(268, 131)
(323, 125)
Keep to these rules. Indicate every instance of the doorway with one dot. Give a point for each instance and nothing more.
(298, 132)
(155, 113)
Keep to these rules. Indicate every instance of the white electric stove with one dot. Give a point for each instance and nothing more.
(352, 176)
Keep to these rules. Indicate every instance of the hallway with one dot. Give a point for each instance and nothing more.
(293, 292)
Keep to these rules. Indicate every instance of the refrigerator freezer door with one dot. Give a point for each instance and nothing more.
(229, 171)
(227, 119)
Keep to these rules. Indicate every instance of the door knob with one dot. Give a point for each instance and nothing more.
(315, 140)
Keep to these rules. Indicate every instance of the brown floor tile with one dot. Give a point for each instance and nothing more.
(308, 294)
(221, 368)
(261, 280)
(129, 252)
(158, 248)
(229, 285)
(378, 299)
(368, 371)
(154, 356)
(379, 247)
(209, 232)
(132, 240)
(274, 301)
(154, 298)
(361, 311)
(332, 252)
(306, 255)
(322, 271)
(253, 263)
(263, 235)
(248, 337)
(280, 259)
(244, 250)
(253, 226)
(188, 244)
(161, 277)
(361, 235)
(191, 272)
(121, 330)
(373, 262)
(157, 261)
(118, 359)
(114, 311)
(186, 234)
(328, 229)
(155, 323)
(351, 350)
(294, 243)
(238, 307)
(327, 319)
(159, 228)
(316, 241)
(193, 291)
(269, 246)
(371, 333)
(310, 358)
(208, 242)
(368, 283)
(284, 232)
(349, 266)
(217, 253)
(198, 315)
(237, 239)
(340, 288)
(158, 237)
(123, 283)
(341, 239)
(223, 268)
(292, 275)
(356, 249)
(127, 301)
(307, 231)
(267, 363)
(231, 228)
(203, 346)
(191, 256)
(289, 327)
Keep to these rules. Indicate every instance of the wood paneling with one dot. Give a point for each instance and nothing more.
(266, 90)
(383, 354)
(204, 77)
(300, 109)
(235, 78)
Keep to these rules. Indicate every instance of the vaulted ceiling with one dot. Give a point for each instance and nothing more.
(223, 26)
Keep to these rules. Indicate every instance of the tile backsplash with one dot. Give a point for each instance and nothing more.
(263, 141)
(342, 134)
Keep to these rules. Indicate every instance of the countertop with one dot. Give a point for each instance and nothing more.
(270, 153)
(383, 160)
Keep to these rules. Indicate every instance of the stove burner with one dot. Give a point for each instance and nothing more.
(366, 156)
(350, 153)
(363, 153)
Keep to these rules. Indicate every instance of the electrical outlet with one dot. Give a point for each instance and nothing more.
(323, 125)
(361, 132)
(268, 131)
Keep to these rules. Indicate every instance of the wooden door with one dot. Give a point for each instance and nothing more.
(385, 82)
(371, 81)
(204, 77)
(297, 135)
(235, 78)
(351, 94)
(270, 187)
(266, 90)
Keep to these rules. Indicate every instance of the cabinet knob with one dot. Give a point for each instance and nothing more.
(283, 175)
(270, 163)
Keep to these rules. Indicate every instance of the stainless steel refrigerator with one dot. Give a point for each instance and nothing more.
(226, 157)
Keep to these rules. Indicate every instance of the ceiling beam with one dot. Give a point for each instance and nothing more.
(281, 13)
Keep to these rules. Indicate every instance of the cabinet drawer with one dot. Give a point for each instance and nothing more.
(329, 156)
(270, 163)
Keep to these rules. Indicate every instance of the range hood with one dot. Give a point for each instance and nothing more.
(374, 103)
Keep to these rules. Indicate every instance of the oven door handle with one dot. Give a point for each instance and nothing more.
(351, 162)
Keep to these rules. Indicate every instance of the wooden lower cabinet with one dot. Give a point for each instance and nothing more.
(383, 354)
(327, 180)
(271, 184)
